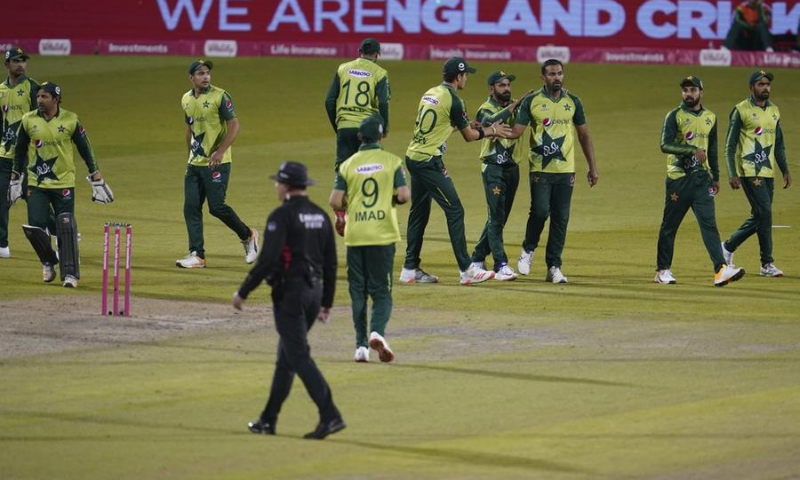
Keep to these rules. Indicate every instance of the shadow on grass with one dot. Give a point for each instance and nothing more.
(518, 376)
(469, 457)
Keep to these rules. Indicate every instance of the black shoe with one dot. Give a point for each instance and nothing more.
(326, 428)
(261, 426)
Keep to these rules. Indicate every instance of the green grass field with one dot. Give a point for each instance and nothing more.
(610, 376)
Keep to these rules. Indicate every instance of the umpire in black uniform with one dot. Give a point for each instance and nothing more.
(298, 260)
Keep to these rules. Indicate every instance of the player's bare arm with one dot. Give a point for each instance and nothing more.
(588, 152)
(233, 130)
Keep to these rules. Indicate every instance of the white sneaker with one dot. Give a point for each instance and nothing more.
(379, 344)
(727, 274)
(70, 282)
(524, 262)
(417, 275)
(362, 355)
(475, 275)
(505, 274)
(728, 256)
(554, 275)
(478, 265)
(48, 273)
(5, 252)
(251, 247)
(191, 261)
(770, 270)
(665, 277)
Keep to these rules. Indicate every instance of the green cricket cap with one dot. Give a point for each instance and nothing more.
(16, 52)
(457, 65)
(759, 74)
(369, 45)
(692, 81)
(372, 128)
(499, 76)
(51, 88)
(200, 63)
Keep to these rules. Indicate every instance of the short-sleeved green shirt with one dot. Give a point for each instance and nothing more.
(497, 150)
(552, 123)
(359, 83)
(370, 178)
(207, 116)
(440, 109)
(754, 143)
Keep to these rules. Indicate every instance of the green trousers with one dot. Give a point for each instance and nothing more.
(430, 181)
(369, 274)
(201, 184)
(551, 195)
(5, 178)
(759, 192)
(691, 191)
(347, 144)
(500, 184)
(42, 202)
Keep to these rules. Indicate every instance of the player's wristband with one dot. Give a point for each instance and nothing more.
(481, 133)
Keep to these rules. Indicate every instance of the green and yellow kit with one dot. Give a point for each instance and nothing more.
(685, 131)
(754, 143)
(552, 122)
(359, 89)
(370, 178)
(440, 109)
(497, 151)
(207, 116)
(15, 102)
(52, 166)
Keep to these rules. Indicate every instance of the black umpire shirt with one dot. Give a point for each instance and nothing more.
(298, 244)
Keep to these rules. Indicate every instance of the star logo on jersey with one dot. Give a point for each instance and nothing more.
(757, 182)
(197, 145)
(44, 169)
(708, 121)
(11, 136)
(496, 191)
(775, 117)
(567, 107)
(673, 197)
(62, 129)
(206, 104)
(20, 93)
(759, 157)
(535, 179)
(550, 149)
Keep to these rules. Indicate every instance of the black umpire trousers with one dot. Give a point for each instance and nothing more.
(296, 307)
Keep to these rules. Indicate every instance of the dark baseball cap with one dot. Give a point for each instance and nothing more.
(692, 81)
(200, 63)
(457, 65)
(369, 45)
(16, 52)
(293, 173)
(51, 88)
(372, 127)
(499, 76)
(759, 74)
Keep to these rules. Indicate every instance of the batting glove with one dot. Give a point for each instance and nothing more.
(101, 193)
(14, 191)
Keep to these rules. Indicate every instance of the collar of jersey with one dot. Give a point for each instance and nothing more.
(21, 79)
(556, 100)
(753, 102)
(202, 92)
(58, 112)
(686, 109)
(371, 146)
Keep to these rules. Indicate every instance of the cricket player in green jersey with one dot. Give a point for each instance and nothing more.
(689, 138)
(554, 115)
(754, 146)
(17, 97)
(372, 181)
(500, 173)
(50, 131)
(211, 128)
(359, 90)
(440, 111)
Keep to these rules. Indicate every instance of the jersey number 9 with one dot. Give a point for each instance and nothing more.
(370, 191)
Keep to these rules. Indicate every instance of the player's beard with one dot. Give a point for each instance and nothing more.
(764, 95)
(555, 87)
(503, 97)
(690, 102)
